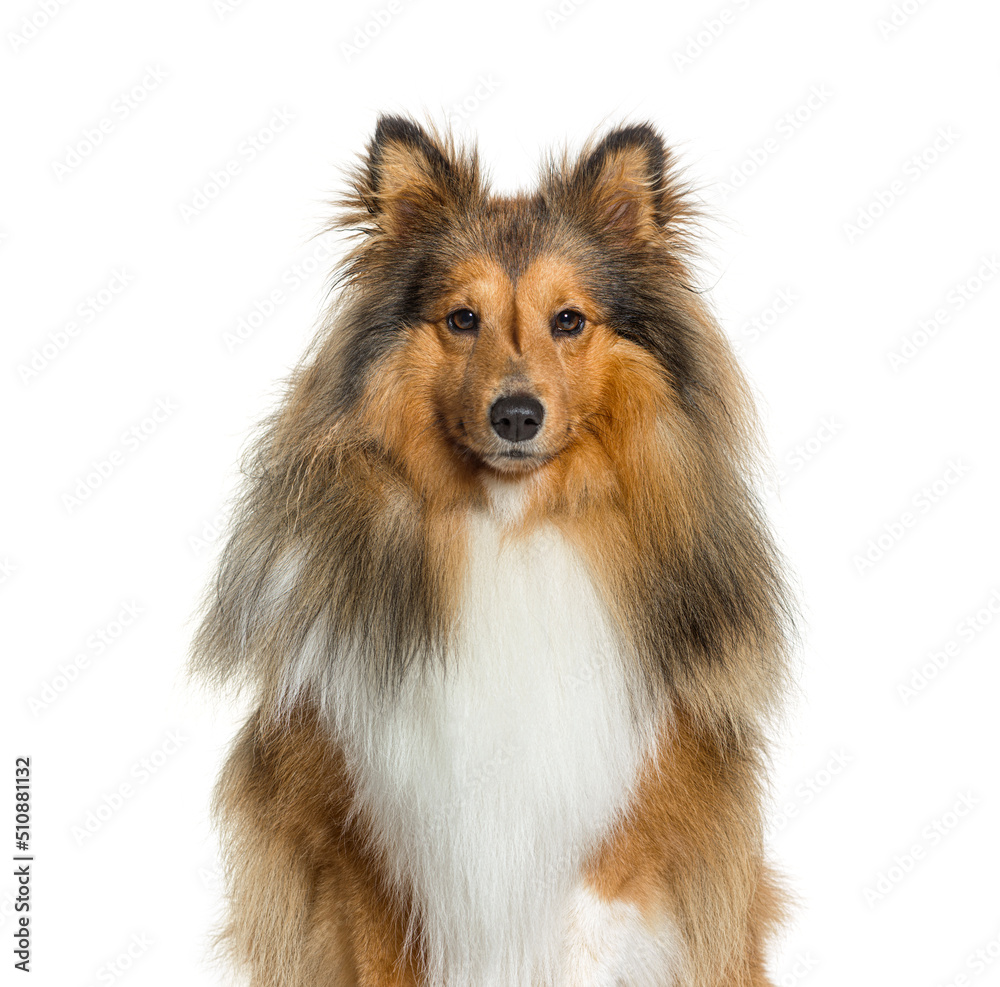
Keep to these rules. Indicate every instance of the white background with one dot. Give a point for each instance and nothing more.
(862, 138)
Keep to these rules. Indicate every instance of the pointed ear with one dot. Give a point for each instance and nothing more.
(410, 179)
(622, 179)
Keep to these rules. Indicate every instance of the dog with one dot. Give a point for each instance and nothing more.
(505, 600)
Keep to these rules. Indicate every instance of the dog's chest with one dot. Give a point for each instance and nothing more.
(491, 780)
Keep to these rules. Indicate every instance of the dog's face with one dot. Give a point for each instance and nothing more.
(517, 358)
(502, 323)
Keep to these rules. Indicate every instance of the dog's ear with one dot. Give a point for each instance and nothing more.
(622, 180)
(410, 178)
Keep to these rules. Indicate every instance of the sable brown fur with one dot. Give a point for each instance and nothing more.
(349, 539)
(308, 905)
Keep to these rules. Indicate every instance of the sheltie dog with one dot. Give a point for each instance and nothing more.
(505, 600)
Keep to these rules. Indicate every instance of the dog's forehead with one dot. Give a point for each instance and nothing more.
(514, 231)
(547, 279)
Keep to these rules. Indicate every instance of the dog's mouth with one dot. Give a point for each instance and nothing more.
(515, 460)
(508, 458)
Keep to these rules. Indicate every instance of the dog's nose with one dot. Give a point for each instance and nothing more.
(517, 418)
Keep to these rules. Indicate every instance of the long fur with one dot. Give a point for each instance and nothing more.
(489, 702)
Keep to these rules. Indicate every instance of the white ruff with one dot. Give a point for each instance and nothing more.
(488, 782)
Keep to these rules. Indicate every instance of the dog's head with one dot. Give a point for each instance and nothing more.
(498, 333)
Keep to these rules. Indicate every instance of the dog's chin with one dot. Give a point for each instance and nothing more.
(514, 462)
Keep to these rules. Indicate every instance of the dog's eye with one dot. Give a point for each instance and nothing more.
(463, 320)
(568, 321)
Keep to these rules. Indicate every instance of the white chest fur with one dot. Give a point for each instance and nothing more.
(488, 782)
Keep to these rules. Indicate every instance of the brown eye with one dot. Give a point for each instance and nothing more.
(463, 320)
(568, 321)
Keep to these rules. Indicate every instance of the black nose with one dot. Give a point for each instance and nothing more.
(516, 418)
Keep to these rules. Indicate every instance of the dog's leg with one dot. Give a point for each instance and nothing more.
(306, 907)
(679, 895)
